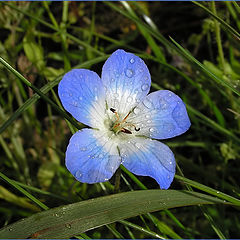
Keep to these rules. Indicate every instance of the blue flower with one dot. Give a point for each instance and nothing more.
(124, 121)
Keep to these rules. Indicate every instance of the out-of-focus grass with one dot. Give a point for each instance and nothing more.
(200, 62)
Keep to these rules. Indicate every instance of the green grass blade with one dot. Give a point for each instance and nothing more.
(44, 90)
(23, 191)
(72, 219)
(226, 25)
(82, 43)
(209, 190)
(41, 94)
(134, 226)
(202, 68)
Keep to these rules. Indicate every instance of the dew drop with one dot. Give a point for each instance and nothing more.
(145, 87)
(78, 174)
(68, 225)
(137, 145)
(100, 155)
(170, 162)
(80, 98)
(115, 95)
(96, 98)
(151, 130)
(162, 104)
(129, 73)
(136, 110)
(10, 229)
(129, 99)
(132, 60)
(57, 215)
(149, 121)
(147, 103)
(147, 116)
(83, 149)
(112, 79)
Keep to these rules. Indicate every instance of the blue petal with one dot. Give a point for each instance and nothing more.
(161, 115)
(126, 79)
(147, 157)
(90, 157)
(82, 94)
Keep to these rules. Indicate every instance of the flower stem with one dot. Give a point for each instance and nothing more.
(117, 180)
(218, 39)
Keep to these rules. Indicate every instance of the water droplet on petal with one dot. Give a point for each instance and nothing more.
(129, 99)
(78, 174)
(137, 145)
(149, 121)
(136, 110)
(112, 79)
(129, 73)
(80, 98)
(116, 95)
(147, 103)
(83, 149)
(147, 116)
(163, 104)
(170, 162)
(151, 130)
(100, 155)
(132, 60)
(145, 87)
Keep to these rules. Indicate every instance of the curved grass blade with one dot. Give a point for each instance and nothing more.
(226, 26)
(201, 67)
(72, 219)
(41, 94)
(209, 190)
(44, 90)
(23, 191)
(82, 43)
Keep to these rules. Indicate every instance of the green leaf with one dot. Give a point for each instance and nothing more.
(69, 220)
(34, 52)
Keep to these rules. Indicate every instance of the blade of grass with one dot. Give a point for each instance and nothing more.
(44, 90)
(209, 190)
(42, 95)
(143, 230)
(82, 43)
(204, 69)
(23, 191)
(69, 220)
(226, 25)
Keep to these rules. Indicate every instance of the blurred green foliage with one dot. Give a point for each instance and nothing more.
(200, 63)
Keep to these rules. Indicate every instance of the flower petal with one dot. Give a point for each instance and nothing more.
(82, 94)
(161, 115)
(126, 79)
(147, 157)
(91, 157)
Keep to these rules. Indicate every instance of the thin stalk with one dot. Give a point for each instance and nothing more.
(24, 80)
(218, 38)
